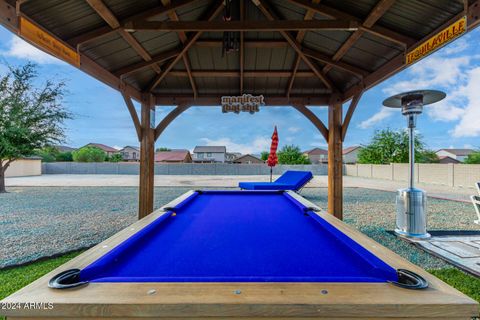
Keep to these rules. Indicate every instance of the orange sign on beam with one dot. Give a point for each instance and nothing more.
(437, 41)
(46, 41)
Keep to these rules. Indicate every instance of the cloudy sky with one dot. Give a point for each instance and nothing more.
(100, 114)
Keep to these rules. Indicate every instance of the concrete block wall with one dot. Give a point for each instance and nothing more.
(453, 175)
(176, 169)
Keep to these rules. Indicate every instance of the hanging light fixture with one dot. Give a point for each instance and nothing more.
(230, 38)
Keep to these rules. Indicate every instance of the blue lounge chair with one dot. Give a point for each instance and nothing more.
(290, 180)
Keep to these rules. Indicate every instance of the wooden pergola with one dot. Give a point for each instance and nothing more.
(299, 53)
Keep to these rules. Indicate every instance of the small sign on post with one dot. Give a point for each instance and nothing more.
(451, 32)
(243, 103)
(46, 41)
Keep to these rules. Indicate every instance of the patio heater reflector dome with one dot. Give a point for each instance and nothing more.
(411, 202)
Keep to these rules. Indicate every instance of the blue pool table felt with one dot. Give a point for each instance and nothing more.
(239, 236)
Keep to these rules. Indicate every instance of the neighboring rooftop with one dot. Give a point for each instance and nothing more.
(101, 146)
(171, 156)
(316, 151)
(458, 152)
(211, 149)
(132, 147)
(350, 149)
(64, 148)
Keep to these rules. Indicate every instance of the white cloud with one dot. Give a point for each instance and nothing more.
(21, 49)
(289, 139)
(293, 129)
(376, 118)
(258, 145)
(469, 125)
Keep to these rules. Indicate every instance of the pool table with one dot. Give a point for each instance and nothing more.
(251, 254)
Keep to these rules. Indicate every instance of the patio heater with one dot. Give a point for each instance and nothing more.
(411, 202)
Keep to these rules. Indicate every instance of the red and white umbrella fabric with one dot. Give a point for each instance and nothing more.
(272, 160)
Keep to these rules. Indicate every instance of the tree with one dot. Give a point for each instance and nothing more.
(117, 157)
(291, 154)
(48, 154)
(473, 158)
(89, 154)
(264, 155)
(162, 149)
(388, 146)
(64, 156)
(31, 115)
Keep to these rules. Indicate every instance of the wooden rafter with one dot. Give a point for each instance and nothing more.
(218, 6)
(350, 111)
(397, 63)
(254, 25)
(332, 13)
(161, 57)
(107, 30)
(242, 46)
(313, 119)
(183, 38)
(214, 100)
(247, 43)
(262, 5)
(169, 118)
(377, 12)
(300, 35)
(133, 114)
(107, 15)
(237, 74)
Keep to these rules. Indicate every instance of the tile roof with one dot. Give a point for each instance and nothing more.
(350, 149)
(459, 152)
(101, 146)
(174, 155)
(316, 151)
(215, 149)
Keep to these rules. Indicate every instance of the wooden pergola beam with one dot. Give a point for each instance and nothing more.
(335, 158)
(218, 6)
(161, 57)
(10, 19)
(169, 118)
(214, 100)
(359, 72)
(300, 36)
(333, 13)
(237, 74)
(107, 30)
(103, 11)
(133, 114)
(313, 119)
(350, 111)
(267, 12)
(377, 12)
(397, 63)
(253, 25)
(247, 43)
(242, 47)
(183, 38)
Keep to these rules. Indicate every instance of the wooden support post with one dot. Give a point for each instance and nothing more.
(335, 163)
(147, 153)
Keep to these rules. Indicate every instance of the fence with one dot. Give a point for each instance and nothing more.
(175, 169)
(453, 175)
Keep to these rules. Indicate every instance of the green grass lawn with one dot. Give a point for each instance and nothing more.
(15, 278)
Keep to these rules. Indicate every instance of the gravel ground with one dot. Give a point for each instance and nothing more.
(36, 222)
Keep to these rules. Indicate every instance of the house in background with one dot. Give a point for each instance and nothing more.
(64, 148)
(457, 154)
(248, 159)
(317, 155)
(108, 150)
(350, 154)
(130, 153)
(447, 159)
(209, 154)
(231, 156)
(173, 156)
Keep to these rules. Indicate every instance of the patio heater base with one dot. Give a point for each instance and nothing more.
(411, 213)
